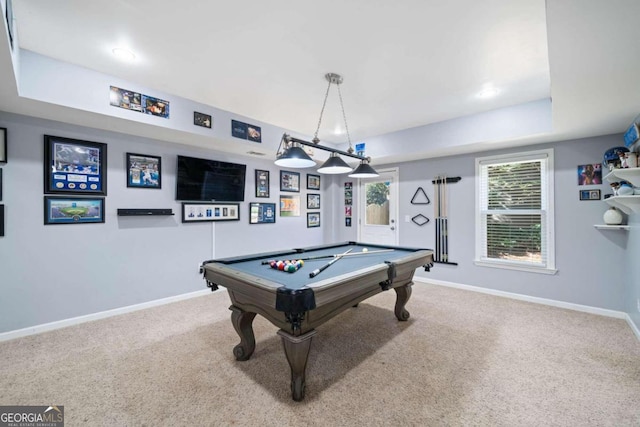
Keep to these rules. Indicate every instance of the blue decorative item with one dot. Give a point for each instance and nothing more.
(631, 135)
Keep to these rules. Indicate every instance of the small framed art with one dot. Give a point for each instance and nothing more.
(289, 205)
(144, 171)
(0, 185)
(3, 145)
(1, 220)
(290, 181)
(262, 183)
(74, 167)
(313, 182)
(589, 194)
(201, 119)
(73, 210)
(313, 219)
(199, 212)
(313, 201)
(262, 213)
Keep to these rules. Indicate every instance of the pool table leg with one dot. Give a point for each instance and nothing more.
(403, 293)
(297, 350)
(242, 322)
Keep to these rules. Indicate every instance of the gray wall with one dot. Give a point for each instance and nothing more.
(50, 273)
(589, 261)
(55, 272)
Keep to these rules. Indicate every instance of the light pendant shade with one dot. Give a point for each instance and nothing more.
(364, 170)
(295, 157)
(334, 165)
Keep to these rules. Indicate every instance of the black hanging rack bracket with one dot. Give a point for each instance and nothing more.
(452, 180)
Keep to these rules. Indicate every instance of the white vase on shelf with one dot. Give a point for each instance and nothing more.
(612, 216)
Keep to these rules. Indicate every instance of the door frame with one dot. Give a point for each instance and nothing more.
(395, 173)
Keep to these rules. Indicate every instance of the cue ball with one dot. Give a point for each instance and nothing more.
(365, 250)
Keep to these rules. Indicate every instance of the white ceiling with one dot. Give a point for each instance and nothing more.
(405, 63)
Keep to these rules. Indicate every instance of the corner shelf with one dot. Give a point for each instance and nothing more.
(628, 174)
(627, 204)
(611, 227)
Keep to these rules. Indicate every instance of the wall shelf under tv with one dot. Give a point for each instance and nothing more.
(145, 212)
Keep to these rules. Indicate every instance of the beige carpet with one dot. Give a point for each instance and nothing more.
(463, 358)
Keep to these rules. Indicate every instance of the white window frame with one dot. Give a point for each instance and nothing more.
(547, 194)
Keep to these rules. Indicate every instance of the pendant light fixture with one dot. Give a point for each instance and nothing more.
(291, 154)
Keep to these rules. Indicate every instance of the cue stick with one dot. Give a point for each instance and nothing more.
(445, 220)
(317, 271)
(334, 255)
(436, 207)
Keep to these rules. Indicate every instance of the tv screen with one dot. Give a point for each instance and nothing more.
(209, 180)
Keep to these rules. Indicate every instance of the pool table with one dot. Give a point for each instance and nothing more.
(297, 303)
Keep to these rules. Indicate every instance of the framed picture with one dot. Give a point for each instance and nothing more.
(289, 205)
(313, 182)
(313, 219)
(3, 145)
(144, 171)
(75, 167)
(73, 210)
(199, 212)
(589, 194)
(290, 181)
(0, 185)
(262, 213)
(1, 220)
(590, 174)
(313, 201)
(201, 119)
(262, 183)
(155, 106)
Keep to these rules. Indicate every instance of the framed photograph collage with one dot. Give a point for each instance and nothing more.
(199, 212)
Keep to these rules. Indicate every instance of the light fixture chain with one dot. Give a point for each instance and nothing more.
(326, 95)
(344, 116)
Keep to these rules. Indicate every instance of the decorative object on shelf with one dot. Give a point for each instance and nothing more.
(420, 220)
(290, 181)
(203, 120)
(198, 212)
(589, 194)
(625, 189)
(611, 158)
(3, 145)
(631, 159)
(262, 213)
(144, 171)
(590, 174)
(246, 131)
(290, 153)
(262, 183)
(74, 167)
(420, 197)
(442, 222)
(134, 101)
(73, 210)
(612, 216)
(631, 135)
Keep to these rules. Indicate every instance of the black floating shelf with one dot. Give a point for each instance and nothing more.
(145, 212)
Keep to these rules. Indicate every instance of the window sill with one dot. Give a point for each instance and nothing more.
(539, 270)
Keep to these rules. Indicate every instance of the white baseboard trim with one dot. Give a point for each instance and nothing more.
(32, 330)
(537, 300)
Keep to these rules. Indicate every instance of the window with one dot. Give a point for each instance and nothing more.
(514, 211)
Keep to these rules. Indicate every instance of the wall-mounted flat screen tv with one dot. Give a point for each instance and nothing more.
(209, 180)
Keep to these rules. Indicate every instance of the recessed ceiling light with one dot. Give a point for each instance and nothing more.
(124, 54)
(488, 93)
